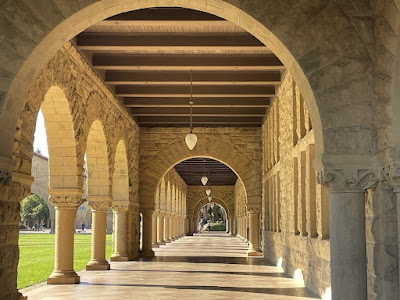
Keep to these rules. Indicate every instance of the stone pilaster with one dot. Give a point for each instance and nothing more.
(160, 228)
(254, 228)
(147, 213)
(154, 229)
(172, 227)
(347, 188)
(120, 209)
(391, 176)
(99, 206)
(66, 201)
(167, 227)
(230, 226)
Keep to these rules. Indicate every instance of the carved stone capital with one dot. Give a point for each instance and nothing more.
(254, 209)
(120, 206)
(146, 210)
(65, 198)
(99, 203)
(391, 175)
(351, 179)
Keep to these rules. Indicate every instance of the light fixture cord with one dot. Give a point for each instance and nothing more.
(191, 102)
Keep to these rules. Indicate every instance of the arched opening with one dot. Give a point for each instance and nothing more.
(212, 217)
(274, 208)
(99, 193)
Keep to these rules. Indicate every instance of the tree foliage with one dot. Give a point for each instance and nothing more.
(34, 209)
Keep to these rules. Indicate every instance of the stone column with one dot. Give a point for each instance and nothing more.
(167, 227)
(160, 228)
(230, 226)
(120, 218)
(52, 226)
(172, 227)
(254, 228)
(195, 226)
(99, 206)
(154, 230)
(191, 226)
(147, 213)
(176, 235)
(246, 226)
(346, 188)
(66, 201)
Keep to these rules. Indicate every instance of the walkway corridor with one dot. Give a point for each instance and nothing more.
(210, 265)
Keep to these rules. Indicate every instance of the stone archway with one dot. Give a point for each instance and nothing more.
(224, 199)
(204, 201)
(315, 73)
(153, 169)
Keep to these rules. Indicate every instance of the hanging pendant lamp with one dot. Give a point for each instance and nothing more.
(191, 138)
(208, 192)
(209, 199)
(204, 179)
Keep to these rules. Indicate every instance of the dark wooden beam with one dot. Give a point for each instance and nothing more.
(186, 62)
(102, 42)
(198, 78)
(201, 112)
(199, 102)
(198, 91)
(200, 120)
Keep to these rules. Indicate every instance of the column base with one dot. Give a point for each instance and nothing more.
(147, 253)
(172, 239)
(161, 243)
(63, 277)
(119, 257)
(254, 253)
(95, 265)
(231, 234)
(21, 297)
(167, 241)
(155, 245)
(189, 234)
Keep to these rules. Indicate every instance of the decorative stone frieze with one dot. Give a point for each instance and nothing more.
(120, 207)
(348, 178)
(391, 175)
(65, 198)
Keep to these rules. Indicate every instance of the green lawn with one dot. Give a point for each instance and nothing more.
(36, 256)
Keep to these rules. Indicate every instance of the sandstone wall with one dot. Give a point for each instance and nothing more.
(239, 199)
(295, 208)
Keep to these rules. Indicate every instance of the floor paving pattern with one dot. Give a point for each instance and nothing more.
(211, 265)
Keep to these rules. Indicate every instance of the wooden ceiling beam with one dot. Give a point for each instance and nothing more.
(199, 112)
(164, 23)
(197, 91)
(200, 120)
(198, 78)
(199, 102)
(102, 42)
(186, 62)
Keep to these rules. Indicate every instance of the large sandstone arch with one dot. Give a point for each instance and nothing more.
(154, 168)
(217, 200)
(327, 68)
(200, 197)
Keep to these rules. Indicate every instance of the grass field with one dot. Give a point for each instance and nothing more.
(36, 256)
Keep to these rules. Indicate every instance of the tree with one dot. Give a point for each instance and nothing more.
(34, 209)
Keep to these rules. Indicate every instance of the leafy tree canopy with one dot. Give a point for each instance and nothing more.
(34, 208)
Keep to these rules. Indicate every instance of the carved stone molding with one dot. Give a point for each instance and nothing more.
(254, 209)
(4, 176)
(120, 207)
(391, 175)
(99, 203)
(65, 198)
(146, 210)
(349, 179)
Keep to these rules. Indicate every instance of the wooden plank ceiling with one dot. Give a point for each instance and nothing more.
(146, 57)
(218, 174)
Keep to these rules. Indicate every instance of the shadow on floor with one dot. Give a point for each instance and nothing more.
(259, 261)
(299, 292)
(267, 274)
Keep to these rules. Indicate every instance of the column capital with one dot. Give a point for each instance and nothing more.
(120, 206)
(146, 210)
(254, 209)
(347, 179)
(99, 203)
(65, 198)
(391, 175)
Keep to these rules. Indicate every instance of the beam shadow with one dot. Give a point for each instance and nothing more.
(270, 274)
(208, 260)
(299, 292)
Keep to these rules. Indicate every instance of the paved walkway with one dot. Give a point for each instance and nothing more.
(205, 266)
